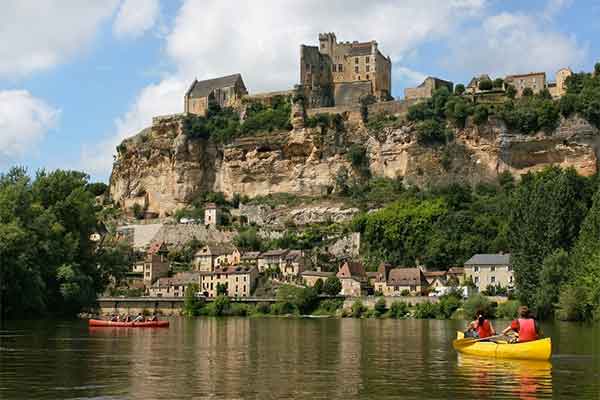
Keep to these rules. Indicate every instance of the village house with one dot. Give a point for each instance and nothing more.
(425, 90)
(156, 264)
(490, 270)
(238, 281)
(309, 278)
(395, 281)
(473, 85)
(213, 255)
(272, 259)
(353, 277)
(293, 264)
(456, 275)
(226, 91)
(431, 276)
(536, 81)
(558, 88)
(250, 258)
(212, 215)
(174, 286)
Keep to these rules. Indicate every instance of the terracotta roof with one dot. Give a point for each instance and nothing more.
(351, 269)
(317, 273)
(294, 254)
(179, 279)
(433, 274)
(216, 249)
(204, 88)
(406, 277)
(275, 253)
(210, 205)
(156, 247)
(456, 270)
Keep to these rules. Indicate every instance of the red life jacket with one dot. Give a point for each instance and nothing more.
(484, 330)
(527, 330)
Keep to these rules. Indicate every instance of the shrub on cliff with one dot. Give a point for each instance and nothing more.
(332, 286)
(260, 117)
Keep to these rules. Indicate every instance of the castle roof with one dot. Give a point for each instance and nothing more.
(206, 87)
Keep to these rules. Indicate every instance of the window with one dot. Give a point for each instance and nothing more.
(367, 76)
(476, 269)
(334, 67)
(308, 67)
(368, 68)
(492, 268)
(356, 69)
(510, 279)
(367, 60)
(340, 68)
(358, 78)
(510, 268)
(322, 45)
(493, 279)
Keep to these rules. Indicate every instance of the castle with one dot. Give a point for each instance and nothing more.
(335, 74)
(331, 74)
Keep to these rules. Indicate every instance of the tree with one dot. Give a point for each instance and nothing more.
(527, 92)
(511, 92)
(365, 102)
(358, 309)
(399, 309)
(498, 83)
(480, 116)
(192, 304)
(554, 273)
(332, 286)
(597, 69)
(221, 289)
(380, 307)
(459, 89)
(249, 240)
(220, 305)
(319, 286)
(485, 84)
(476, 304)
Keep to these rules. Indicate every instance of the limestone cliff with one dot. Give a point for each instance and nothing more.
(163, 169)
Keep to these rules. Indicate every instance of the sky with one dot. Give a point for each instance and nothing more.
(79, 76)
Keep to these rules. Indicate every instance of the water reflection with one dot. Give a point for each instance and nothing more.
(274, 358)
(522, 379)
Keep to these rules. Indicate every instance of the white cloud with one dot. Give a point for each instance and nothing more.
(135, 17)
(554, 7)
(24, 121)
(37, 35)
(514, 43)
(166, 97)
(408, 75)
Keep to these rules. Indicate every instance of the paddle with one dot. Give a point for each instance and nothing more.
(468, 341)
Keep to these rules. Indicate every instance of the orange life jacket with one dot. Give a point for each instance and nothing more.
(484, 330)
(527, 331)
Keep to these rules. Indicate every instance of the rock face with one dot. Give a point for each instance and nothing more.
(163, 169)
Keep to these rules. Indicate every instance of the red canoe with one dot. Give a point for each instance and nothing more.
(147, 324)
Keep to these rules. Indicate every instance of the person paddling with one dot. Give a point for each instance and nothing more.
(525, 326)
(139, 318)
(481, 326)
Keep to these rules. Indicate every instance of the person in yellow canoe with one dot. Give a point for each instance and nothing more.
(481, 327)
(525, 326)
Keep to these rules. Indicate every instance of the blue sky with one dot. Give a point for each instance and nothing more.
(78, 76)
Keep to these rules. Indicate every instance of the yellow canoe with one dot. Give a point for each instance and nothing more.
(536, 350)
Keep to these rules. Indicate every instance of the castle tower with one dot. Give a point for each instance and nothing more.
(327, 42)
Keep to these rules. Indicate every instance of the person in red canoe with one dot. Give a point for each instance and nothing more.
(139, 318)
(154, 317)
(525, 326)
(114, 318)
(481, 327)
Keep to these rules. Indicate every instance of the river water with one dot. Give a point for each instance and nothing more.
(279, 358)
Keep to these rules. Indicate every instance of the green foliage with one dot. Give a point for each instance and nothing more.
(380, 307)
(263, 308)
(297, 299)
(399, 309)
(332, 286)
(459, 89)
(381, 120)
(476, 304)
(547, 210)
(358, 309)
(511, 92)
(220, 306)
(508, 310)
(486, 84)
(221, 289)
(426, 310)
(47, 261)
(330, 306)
(447, 305)
(530, 114)
(498, 83)
(480, 116)
(319, 286)
(527, 92)
(138, 211)
(192, 304)
(97, 188)
(430, 132)
(573, 304)
(249, 240)
(260, 117)
(365, 101)
(552, 276)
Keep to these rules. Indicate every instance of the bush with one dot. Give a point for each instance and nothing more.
(527, 92)
(358, 309)
(263, 308)
(459, 89)
(511, 92)
(380, 307)
(480, 116)
(192, 305)
(330, 306)
(431, 132)
(447, 306)
(319, 286)
(426, 310)
(332, 286)
(240, 310)
(399, 309)
(508, 309)
(478, 303)
(485, 84)
(284, 308)
(220, 306)
(138, 211)
(498, 82)
(260, 117)
(405, 293)
(573, 304)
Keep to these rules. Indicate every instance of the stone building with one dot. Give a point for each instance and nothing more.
(239, 281)
(211, 214)
(272, 259)
(309, 278)
(473, 85)
(425, 90)
(226, 91)
(536, 81)
(353, 277)
(394, 281)
(559, 88)
(215, 255)
(341, 73)
(490, 269)
(174, 286)
(156, 264)
(293, 264)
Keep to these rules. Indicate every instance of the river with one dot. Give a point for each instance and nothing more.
(280, 358)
